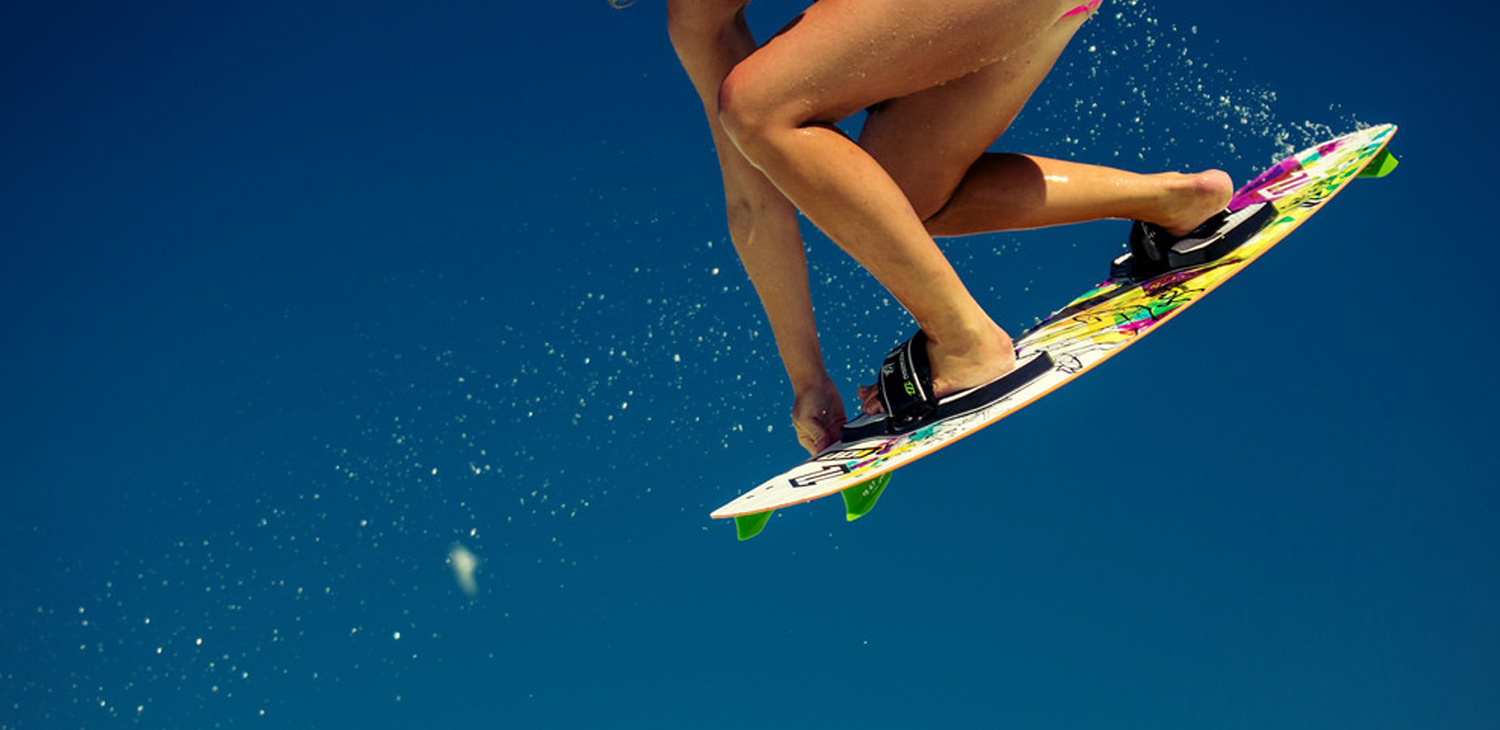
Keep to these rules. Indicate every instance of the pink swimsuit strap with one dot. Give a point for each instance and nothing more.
(1087, 7)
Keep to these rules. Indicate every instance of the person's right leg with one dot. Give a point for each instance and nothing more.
(710, 37)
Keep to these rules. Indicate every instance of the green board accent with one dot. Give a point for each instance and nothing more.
(748, 526)
(1381, 166)
(860, 498)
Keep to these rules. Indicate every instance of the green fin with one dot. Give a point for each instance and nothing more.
(1380, 166)
(748, 526)
(860, 498)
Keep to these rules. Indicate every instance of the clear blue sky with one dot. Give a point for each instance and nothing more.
(297, 297)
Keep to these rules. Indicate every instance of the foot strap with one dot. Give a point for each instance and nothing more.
(924, 411)
(906, 383)
(1154, 251)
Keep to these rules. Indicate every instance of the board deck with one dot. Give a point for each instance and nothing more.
(1092, 328)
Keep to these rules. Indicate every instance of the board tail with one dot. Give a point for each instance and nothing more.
(860, 498)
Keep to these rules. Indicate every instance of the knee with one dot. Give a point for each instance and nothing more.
(931, 198)
(923, 172)
(746, 114)
(738, 111)
(928, 206)
(927, 187)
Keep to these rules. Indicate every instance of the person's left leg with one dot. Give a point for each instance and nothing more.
(933, 144)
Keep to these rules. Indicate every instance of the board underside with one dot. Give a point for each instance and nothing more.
(1089, 330)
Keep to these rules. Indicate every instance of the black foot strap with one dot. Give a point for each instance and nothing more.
(906, 382)
(1154, 251)
(919, 408)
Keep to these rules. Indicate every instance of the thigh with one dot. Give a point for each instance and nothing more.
(841, 56)
(928, 140)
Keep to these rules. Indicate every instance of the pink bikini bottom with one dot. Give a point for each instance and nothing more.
(1087, 7)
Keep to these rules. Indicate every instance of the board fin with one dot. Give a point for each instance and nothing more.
(748, 526)
(1380, 166)
(860, 498)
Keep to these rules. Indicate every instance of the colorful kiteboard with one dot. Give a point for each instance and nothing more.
(1089, 330)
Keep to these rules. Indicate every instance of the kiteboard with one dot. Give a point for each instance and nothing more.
(1093, 327)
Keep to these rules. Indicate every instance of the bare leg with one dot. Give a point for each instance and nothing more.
(710, 37)
(933, 144)
(1003, 192)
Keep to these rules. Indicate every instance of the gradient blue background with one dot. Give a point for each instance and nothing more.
(295, 297)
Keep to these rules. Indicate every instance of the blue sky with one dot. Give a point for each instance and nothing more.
(297, 298)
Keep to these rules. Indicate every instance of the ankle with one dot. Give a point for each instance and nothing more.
(978, 335)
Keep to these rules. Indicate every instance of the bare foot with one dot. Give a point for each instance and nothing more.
(958, 364)
(1192, 199)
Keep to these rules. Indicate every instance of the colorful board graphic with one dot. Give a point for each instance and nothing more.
(1089, 330)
